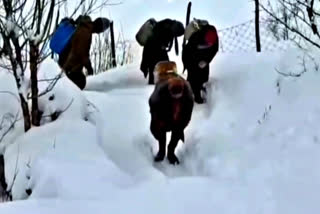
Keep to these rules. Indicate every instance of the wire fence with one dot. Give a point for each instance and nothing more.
(241, 38)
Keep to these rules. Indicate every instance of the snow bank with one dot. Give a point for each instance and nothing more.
(61, 97)
(118, 78)
(262, 133)
(61, 160)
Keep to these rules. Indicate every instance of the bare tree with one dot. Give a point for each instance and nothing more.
(25, 30)
(123, 49)
(301, 17)
(101, 51)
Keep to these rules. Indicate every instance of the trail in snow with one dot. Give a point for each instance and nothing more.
(130, 126)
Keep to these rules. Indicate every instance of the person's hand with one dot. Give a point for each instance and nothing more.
(202, 64)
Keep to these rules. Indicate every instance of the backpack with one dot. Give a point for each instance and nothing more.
(194, 26)
(145, 31)
(210, 37)
(62, 35)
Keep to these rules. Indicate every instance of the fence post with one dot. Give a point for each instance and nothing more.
(257, 26)
(113, 49)
(3, 184)
(188, 13)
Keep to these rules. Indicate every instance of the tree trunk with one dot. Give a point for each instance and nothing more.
(25, 112)
(34, 56)
(14, 63)
(258, 44)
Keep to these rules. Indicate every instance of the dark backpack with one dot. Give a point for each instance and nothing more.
(145, 31)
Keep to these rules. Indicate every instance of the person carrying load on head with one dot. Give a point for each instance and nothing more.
(202, 44)
(157, 40)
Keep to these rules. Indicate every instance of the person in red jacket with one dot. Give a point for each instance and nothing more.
(201, 48)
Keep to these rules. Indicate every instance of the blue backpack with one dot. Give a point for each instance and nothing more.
(62, 36)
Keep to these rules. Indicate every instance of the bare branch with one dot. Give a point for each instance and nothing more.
(290, 28)
(12, 94)
(77, 8)
(290, 74)
(51, 85)
(9, 190)
(13, 123)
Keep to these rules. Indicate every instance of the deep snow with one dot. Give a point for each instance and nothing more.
(250, 149)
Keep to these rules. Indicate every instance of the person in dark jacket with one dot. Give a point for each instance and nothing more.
(171, 105)
(159, 44)
(197, 54)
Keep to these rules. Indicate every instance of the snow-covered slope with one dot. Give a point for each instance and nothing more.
(253, 148)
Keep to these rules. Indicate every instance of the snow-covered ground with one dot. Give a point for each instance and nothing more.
(253, 148)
